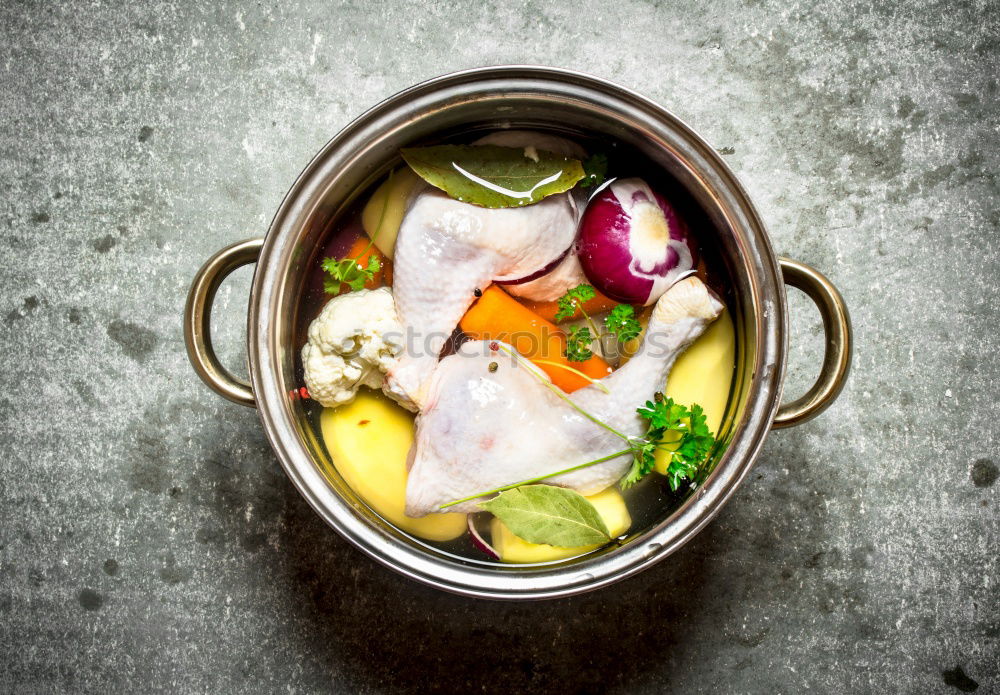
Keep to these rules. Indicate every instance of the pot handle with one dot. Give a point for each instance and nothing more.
(198, 320)
(839, 343)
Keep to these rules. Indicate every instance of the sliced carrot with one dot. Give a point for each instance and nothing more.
(498, 316)
(547, 310)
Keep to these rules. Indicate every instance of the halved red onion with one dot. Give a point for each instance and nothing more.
(632, 244)
(478, 541)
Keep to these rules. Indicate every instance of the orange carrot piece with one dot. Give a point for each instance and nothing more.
(547, 310)
(498, 316)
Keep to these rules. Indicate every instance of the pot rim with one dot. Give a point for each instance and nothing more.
(574, 576)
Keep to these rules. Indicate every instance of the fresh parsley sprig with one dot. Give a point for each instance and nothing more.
(578, 341)
(620, 323)
(689, 445)
(348, 272)
(573, 301)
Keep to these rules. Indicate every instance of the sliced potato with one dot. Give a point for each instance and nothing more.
(368, 440)
(703, 374)
(384, 211)
(610, 506)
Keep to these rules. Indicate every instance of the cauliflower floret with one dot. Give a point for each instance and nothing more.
(353, 342)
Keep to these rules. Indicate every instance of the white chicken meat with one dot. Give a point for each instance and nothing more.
(483, 427)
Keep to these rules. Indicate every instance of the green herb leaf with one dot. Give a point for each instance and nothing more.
(663, 414)
(348, 272)
(573, 301)
(547, 514)
(643, 462)
(622, 323)
(690, 444)
(578, 340)
(693, 449)
(595, 169)
(492, 176)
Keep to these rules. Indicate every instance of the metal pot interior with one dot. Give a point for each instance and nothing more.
(461, 105)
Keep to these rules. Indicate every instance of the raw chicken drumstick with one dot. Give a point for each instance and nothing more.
(482, 429)
(447, 249)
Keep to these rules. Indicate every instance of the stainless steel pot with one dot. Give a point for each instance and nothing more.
(490, 98)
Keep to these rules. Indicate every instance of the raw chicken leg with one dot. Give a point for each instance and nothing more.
(482, 429)
(446, 250)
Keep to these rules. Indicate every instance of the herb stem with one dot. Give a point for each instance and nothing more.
(536, 479)
(593, 326)
(595, 382)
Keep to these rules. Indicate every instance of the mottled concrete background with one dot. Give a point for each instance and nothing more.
(150, 542)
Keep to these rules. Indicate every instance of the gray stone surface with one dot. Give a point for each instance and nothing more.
(150, 542)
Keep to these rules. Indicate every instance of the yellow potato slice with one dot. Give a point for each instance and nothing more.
(368, 440)
(703, 374)
(388, 204)
(609, 505)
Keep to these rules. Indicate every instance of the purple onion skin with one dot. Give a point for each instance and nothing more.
(478, 541)
(603, 248)
(545, 270)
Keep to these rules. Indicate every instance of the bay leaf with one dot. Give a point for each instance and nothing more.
(548, 514)
(491, 176)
